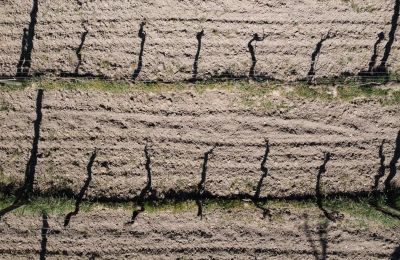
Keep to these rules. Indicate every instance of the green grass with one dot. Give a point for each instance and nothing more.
(52, 206)
(253, 94)
(313, 93)
(361, 209)
(4, 105)
(175, 207)
(122, 86)
(352, 92)
(359, 9)
(394, 98)
(190, 205)
(99, 85)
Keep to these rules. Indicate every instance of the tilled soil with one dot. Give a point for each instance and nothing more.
(238, 233)
(112, 44)
(179, 128)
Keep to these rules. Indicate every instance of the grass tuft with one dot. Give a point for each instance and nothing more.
(361, 209)
(352, 92)
(253, 94)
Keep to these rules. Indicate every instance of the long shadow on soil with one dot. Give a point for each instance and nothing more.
(382, 68)
(332, 216)
(396, 254)
(145, 191)
(199, 37)
(83, 190)
(78, 51)
(24, 194)
(381, 71)
(79, 57)
(371, 66)
(314, 57)
(25, 60)
(264, 170)
(252, 50)
(381, 170)
(323, 239)
(44, 232)
(392, 166)
(390, 193)
(201, 185)
(142, 36)
(92, 257)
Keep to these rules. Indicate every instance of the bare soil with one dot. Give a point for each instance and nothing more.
(237, 233)
(180, 127)
(112, 45)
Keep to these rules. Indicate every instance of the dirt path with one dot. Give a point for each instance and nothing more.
(180, 128)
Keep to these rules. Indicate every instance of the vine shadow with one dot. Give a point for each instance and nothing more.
(142, 36)
(145, 191)
(83, 190)
(201, 186)
(199, 37)
(264, 170)
(25, 60)
(323, 239)
(314, 56)
(25, 192)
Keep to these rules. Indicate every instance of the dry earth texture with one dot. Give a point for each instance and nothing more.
(209, 151)
(179, 129)
(163, 39)
(234, 233)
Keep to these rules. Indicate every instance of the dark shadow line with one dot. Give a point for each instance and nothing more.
(389, 191)
(318, 194)
(31, 168)
(366, 74)
(256, 38)
(12, 207)
(25, 193)
(392, 35)
(145, 191)
(314, 56)
(201, 186)
(44, 232)
(83, 189)
(68, 74)
(78, 51)
(323, 239)
(385, 211)
(264, 170)
(24, 64)
(142, 36)
(184, 195)
(392, 166)
(374, 56)
(381, 170)
(23, 54)
(310, 239)
(199, 37)
(396, 254)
